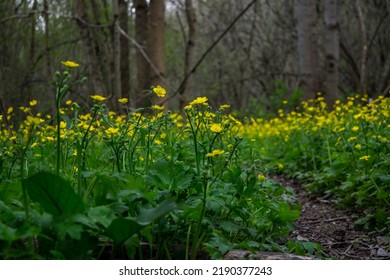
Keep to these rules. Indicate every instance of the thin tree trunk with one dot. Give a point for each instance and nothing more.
(307, 48)
(143, 67)
(29, 77)
(190, 51)
(156, 41)
(92, 64)
(363, 63)
(117, 55)
(332, 49)
(124, 49)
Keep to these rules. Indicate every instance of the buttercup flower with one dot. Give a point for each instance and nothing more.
(123, 100)
(199, 100)
(98, 98)
(33, 103)
(215, 153)
(157, 107)
(70, 64)
(159, 91)
(364, 158)
(216, 127)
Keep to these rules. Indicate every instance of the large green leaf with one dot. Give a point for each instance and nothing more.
(122, 229)
(146, 216)
(54, 194)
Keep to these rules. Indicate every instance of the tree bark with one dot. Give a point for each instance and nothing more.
(124, 49)
(92, 65)
(307, 48)
(364, 49)
(117, 55)
(143, 67)
(189, 52)
(156, 41)
(332, 52)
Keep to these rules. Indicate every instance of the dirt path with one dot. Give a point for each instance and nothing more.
(334, 229)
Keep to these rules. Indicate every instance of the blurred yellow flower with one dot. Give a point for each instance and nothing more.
(123, 100)
(70, 64)
(112, 131)
(98, 98)
(200, 101)
(159, 91)
(261, 177)
(216, 127)
(10, 110)
(224, 106)
(355, 128)
(33, 103)
(364, 158)
(358, 146)
(157, 107)
(215, 153)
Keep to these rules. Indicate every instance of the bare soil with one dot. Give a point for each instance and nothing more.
(334, 229)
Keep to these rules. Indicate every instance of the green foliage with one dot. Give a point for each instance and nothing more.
(344, 153)
(179, 187)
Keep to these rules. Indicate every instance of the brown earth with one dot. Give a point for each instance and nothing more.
(321, 222)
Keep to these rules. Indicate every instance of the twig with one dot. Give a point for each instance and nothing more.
(325, 221)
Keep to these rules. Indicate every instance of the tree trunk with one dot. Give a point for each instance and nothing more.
(92, 65)
(143, 67)
(363, 63)
(190, 51)
(307, 48)
(124, 48)
(156, 41)
(332, 52)
(117, 55)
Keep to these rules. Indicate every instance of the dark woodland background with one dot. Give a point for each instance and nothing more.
(250, 54)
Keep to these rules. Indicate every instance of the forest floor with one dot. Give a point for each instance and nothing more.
(321, 222)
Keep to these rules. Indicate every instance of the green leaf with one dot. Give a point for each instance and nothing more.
(7, 233)
(101, 214)
(54, 194)
(310, 247)
(122, 229)
(148, 215)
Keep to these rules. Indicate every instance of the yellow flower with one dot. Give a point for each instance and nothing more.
(215, 153)
(50, 138)
(355, 128)
(216, 127)
(224, 106)
(98, 98)
(112, 131)
(70, 64)
(123, 100)
(157, 107)
(33, 103)
(358, 146)
(68, 102)
(33, 120)
(10, 110)
(364, 158)
(199, 100)
(280, 165)
(159, 91)
(261, 177)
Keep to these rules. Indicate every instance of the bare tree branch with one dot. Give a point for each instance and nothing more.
(212, 46)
